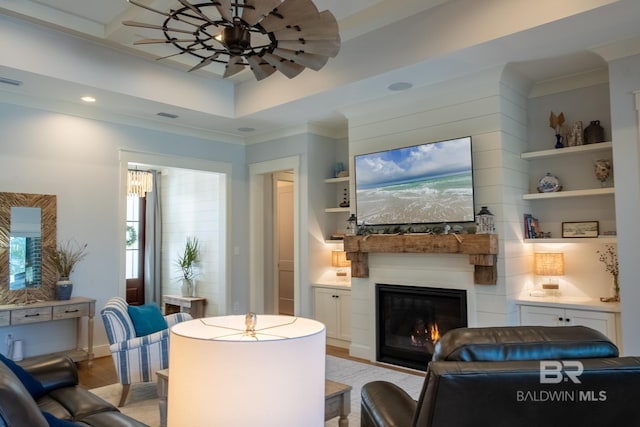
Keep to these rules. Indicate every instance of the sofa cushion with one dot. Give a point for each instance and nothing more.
(57, 422)
(33, 386)
(146, 319)
(523, 343)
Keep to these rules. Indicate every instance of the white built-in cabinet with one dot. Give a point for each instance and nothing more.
(548, 314)
(332, 306)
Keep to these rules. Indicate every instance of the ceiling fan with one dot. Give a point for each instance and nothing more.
(264, 35)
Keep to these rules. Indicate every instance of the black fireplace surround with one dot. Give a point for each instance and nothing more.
(410, 320)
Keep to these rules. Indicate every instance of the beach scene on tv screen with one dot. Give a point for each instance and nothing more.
(429, 183)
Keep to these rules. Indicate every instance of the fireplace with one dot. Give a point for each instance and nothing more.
(410, 320)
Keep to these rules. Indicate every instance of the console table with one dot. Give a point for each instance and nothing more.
(195, 306)
(49, 311)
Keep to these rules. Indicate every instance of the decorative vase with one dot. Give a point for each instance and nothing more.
(559, 143)
(187, 287)
(64, 287)
(616, 288)
(593, 133)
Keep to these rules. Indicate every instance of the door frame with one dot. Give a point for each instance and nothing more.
(127, 157)
(258, 173)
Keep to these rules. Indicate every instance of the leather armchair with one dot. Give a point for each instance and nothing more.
(514, 376)
(136, 359)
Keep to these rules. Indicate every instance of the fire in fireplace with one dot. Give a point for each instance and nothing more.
(411, 319)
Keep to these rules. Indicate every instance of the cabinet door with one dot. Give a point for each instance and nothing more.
(532, 315)
(600, 321)
(325, 310)
(344, 315)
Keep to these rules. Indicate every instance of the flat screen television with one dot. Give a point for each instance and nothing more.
(423, 184)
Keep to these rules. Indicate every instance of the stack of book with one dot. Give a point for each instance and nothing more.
(531, 227)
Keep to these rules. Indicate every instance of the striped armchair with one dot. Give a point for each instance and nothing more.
(136, 359)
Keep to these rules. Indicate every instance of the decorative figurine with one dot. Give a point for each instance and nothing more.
(345, 199)
(602, 170)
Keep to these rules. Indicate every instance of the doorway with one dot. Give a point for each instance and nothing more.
(261, 241)
(283, 184)
(195, 202)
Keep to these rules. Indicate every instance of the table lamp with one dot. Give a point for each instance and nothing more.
(340, 261)
(247, 370)
(549, 265)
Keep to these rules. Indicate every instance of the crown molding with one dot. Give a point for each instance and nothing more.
(570, 82)
(621, 49)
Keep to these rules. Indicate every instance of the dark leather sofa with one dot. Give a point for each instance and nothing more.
(515, 376)
(63, 398)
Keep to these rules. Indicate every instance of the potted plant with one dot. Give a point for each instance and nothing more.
(65, 257)
(186, 263)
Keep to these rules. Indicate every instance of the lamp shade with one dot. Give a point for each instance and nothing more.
(339, 259)
(222, 375)
(549, 264)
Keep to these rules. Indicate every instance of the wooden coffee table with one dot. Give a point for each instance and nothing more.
(337, 402)
(337, 399)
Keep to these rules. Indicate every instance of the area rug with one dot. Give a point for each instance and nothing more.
(142, 403)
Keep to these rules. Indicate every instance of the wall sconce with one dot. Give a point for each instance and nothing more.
(234, 371)
(340, 261)
(549, 265)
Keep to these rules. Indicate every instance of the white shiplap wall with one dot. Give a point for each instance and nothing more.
(491, 107)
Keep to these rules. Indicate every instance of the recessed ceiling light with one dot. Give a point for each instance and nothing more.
(246, 129)
(88, 98)
(399, 86)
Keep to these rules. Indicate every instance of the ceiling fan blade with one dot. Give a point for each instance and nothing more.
(153, 41)
(176, 54)
(320, 27)
(148, 8)
(291, 11)
(154, 27)
(235, 65)
(259, 68)
(224, 9)
(257, 10)
(286, 67)
(205, 62)
(315, 62)
(195, 10)
(318, 47)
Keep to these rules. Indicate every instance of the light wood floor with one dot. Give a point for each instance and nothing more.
(104, 373)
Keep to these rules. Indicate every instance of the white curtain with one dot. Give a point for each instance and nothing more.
(153, 244)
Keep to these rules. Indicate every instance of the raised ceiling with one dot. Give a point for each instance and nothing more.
(61, 49)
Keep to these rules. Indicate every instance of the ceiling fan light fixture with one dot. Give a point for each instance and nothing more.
(290, 35)
(236, 39)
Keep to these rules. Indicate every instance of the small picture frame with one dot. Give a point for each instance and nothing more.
(580, 229)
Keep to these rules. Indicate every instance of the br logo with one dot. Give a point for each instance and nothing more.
(555, 372)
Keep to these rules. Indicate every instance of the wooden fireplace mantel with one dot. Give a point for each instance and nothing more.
(481, 248)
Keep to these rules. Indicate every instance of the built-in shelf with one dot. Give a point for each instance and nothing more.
(601, 146)
(337, 209)
(570, 193)
(605, 240)
(482, 250)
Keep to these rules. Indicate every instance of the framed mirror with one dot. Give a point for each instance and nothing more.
(27, 235)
